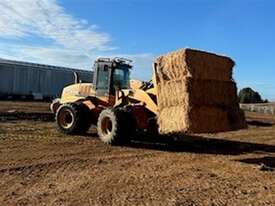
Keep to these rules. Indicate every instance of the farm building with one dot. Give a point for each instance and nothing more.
(29, 80)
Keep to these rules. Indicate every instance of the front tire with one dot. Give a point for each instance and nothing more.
(114, 126)
(73, 119)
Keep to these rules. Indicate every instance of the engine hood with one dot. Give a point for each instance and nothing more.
(76, 92)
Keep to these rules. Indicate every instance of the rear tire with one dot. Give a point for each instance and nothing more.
(115, 126)
(73, 119)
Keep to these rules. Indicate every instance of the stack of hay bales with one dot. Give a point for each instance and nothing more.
(196, 93)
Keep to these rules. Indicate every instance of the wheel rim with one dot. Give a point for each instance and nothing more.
(66, 118)
(106, 126)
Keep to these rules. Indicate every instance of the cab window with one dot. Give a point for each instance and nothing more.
(103, 78)
(121, 78)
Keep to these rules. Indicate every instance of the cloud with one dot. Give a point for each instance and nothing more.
(71, 42)
(73, 58)
(44, 55)
(47, 19)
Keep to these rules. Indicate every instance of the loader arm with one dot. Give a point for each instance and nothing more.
(145, 98)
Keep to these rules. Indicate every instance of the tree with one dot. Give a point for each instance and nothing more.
(248, 95)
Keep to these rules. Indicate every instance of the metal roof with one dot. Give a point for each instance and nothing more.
(36, 65)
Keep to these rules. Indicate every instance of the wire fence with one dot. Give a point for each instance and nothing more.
(259, 108)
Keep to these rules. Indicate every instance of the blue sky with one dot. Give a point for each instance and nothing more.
(74, 32)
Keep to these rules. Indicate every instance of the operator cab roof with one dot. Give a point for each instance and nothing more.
(118, 60)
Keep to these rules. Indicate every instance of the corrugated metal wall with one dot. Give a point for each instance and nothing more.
(27, 78)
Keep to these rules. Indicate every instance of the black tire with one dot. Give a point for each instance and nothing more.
(115, 126)
(73, 119)
(86, 118)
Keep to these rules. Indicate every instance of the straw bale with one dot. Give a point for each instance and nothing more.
(215, 119)
(236, 117)
(196, 92)
(193, 63)
(172, 93)
(209, 119)
(200, 119)
(173, 119)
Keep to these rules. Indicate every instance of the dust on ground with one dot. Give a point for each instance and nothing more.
(40, 166)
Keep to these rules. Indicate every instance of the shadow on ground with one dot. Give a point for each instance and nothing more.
(259, 123)
(200, 144)
(268, 161)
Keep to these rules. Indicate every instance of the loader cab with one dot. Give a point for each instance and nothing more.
(111, 74)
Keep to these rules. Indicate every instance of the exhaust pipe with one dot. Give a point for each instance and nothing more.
(76, 78)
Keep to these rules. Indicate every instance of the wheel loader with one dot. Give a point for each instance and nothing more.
(118, 106)
(191, 91)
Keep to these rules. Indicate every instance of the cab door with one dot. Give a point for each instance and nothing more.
(102, 79)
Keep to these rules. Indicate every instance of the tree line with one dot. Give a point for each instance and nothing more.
(248, 95)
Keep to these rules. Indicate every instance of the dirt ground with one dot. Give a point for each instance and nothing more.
(40, 166)
(25, 110)
(24, 106)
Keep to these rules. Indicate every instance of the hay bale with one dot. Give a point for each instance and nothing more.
(213, 119)
(193, 120)
(200, 119)
(196, 93)
(173, 119)
(195, 64)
